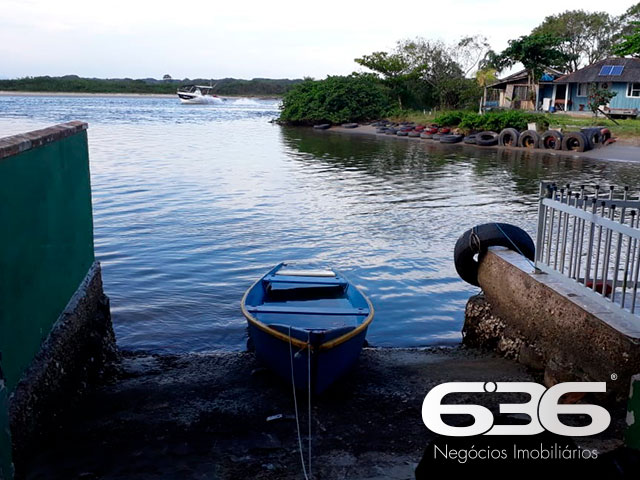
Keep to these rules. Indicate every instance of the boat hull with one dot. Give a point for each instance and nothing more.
(323, 368)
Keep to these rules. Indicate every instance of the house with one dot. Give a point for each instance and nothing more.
(621, 75)
(516, 91)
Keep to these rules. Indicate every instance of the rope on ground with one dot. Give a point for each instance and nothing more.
(295, 404)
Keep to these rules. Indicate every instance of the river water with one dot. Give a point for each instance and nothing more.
(194, 203)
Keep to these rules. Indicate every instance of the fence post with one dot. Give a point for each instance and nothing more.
(541, 224)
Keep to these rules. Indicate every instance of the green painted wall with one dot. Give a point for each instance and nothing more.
(46, 247)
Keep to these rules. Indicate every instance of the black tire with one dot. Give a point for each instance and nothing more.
(594, 136)
(426, 135)
(391, 131)
(381, 130)
(471, 139)
(402, 133)
(413, 134)
(436, 137)
(488, 235)
(451, 138)
(529, 139)
(322, 126)
(349, 125)
(508, 137)
(551, 140)
(486, 139)
(575, 142)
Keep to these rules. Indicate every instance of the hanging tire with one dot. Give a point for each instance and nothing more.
(477, 240)
(451, 138)
(575, 142)
(551, 140)
(471, 139)
(508, 137)
(529, 139)
(486, 139)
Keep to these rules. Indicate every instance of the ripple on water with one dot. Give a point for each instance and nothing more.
(191, 205)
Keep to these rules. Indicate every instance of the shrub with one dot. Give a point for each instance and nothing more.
(495, 121)
(336, 99)
(450, 119)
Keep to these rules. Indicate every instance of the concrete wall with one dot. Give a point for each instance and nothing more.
(47, 275)
(549, 325)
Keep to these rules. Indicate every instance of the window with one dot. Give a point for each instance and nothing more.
(583, 90)
(633, 89)
(615, 70)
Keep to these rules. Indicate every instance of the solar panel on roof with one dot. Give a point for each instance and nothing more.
(617, 70)
(611, 70)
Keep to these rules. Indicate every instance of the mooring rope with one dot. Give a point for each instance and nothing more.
(516, 246)
(295, 404)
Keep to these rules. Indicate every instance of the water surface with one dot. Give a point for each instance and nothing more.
(193, 203)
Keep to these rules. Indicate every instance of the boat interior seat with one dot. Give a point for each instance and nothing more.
(310, 280)
(297, 310)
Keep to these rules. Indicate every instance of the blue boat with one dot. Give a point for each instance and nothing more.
(307, 325)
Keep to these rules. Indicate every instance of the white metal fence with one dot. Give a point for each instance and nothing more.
(590, 235)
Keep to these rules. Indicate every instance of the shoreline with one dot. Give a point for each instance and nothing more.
(21, 93)
(624, 150)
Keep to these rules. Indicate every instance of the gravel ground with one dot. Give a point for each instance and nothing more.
(205, 417)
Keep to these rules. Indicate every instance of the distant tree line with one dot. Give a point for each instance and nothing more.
(421, 74)
(76, 84)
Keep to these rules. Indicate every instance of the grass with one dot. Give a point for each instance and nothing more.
(628, 128)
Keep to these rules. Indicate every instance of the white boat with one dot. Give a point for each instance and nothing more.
(198, 94)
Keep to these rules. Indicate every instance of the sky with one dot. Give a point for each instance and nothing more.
(244, 39)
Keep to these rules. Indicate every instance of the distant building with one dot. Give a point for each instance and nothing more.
(555, 91)
(516, 92)
(621, 75)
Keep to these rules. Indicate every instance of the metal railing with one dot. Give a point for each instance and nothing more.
(591, 236)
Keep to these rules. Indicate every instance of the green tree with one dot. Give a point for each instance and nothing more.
(396, 69)
(587, 36)
(534, 52)
(630, 43)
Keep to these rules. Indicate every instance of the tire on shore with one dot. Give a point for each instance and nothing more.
(413, 134)
(551, 140)
(594, 136)
(470, 139)
(575, 142)
(451, 138)
(508, 137)
(349, 125)
(486, 139)
(529, 139)
(322, 126)
(426, 135)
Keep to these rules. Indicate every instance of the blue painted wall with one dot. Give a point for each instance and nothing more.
(619, 101)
